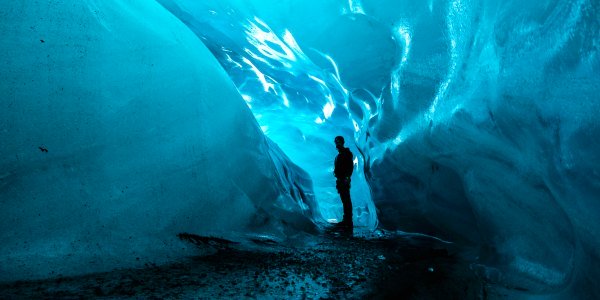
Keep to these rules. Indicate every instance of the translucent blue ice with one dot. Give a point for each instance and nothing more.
(474, 121)
(118, 131)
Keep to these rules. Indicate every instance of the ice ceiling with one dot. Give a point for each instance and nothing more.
(475, 121)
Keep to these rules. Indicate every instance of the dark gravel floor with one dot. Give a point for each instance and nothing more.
(336, 267)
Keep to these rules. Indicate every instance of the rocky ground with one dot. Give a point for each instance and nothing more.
(337, 266)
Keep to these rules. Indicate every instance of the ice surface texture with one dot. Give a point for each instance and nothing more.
(118, 131)
(474, 121)
(299, 104)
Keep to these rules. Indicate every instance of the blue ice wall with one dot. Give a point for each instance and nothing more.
(475, 120)
(472, 120)
(119, 130)
(299, 104)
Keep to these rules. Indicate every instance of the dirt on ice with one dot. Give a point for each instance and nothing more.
(334, 267)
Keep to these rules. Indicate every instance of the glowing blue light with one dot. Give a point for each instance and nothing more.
(229, 59)
(260, 35)
(336, 76)
(335, 67)
(440, 94)
(318, 80)
(403, 35)
(403, 31)
(356, 7)
(289, 39)
(454, 14)
(286, 101)
(266, 85)
(328, 108)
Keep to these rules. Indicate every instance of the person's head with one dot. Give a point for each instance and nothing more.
(339, 142)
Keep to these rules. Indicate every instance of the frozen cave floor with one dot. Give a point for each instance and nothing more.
(333, 267)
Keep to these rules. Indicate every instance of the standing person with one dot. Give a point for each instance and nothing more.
(344, 165)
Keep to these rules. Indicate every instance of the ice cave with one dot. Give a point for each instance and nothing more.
(472, 122)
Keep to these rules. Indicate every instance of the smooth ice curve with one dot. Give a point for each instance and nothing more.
(475, 122)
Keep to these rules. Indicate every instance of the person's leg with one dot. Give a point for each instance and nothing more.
(343, 189)
(347, 203)
(347, 206)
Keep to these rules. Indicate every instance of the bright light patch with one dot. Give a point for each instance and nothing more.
(266, 85)
(403, 36)
(403, 32)
(356, 7)
(336, 76)
(229, 59)
(456, 10)
(286, 101)
(321, 82)
(335, 67)
(328, 108)
(395, 81)
(397, 141)
(247, 98)
(291, 41)
(260, 35)
(258, 57)
(440, 94)
(395, 86)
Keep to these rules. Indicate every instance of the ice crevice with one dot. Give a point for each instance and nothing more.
(123, 124)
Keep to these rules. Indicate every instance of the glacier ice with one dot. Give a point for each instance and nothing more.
(120, 130)
(467, 114)
(281, 82)
(475, 121)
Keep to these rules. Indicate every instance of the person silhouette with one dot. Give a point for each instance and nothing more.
(343, 167)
